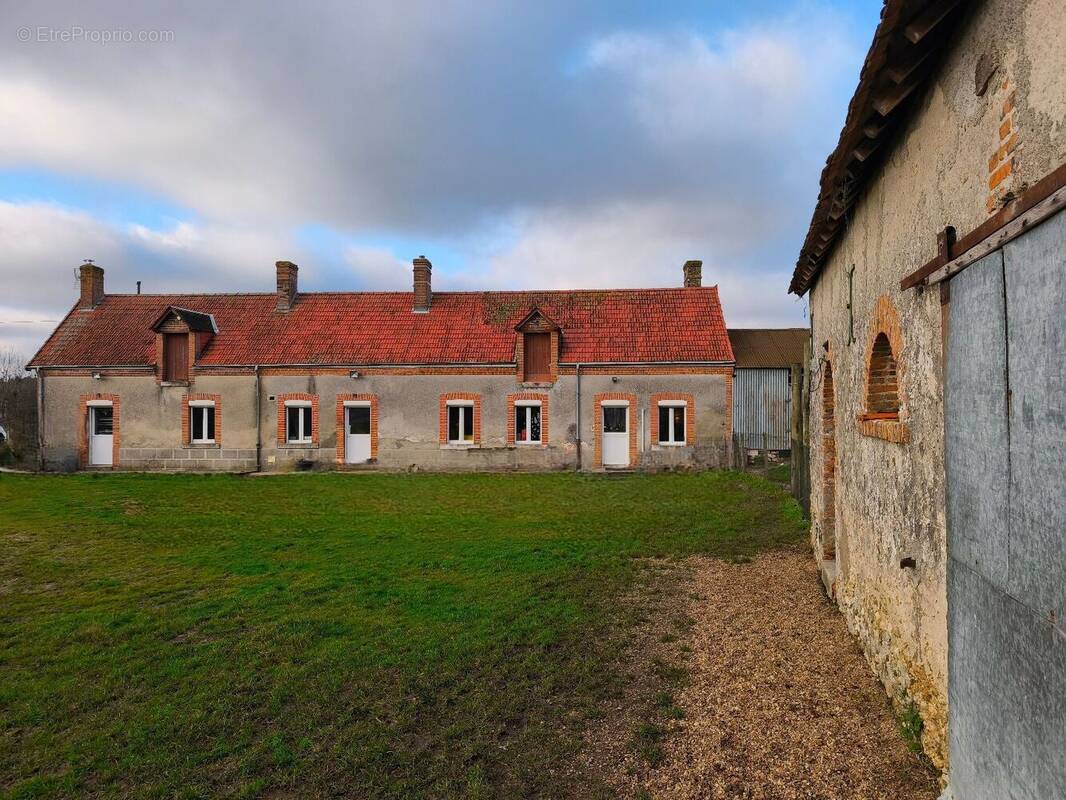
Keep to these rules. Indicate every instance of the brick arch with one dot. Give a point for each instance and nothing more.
(885, 402)
(829, 462)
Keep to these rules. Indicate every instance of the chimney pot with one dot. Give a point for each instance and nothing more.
(423, 272)
(693, 273)
(286, 285)
(91, 278)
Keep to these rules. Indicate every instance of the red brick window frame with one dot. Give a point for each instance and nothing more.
(515, 405)
(597, 425)
(191, 401)
(884, 417)
(301, 399)
(372, 400)
(460, 398)
(83, 435)
(673, 399)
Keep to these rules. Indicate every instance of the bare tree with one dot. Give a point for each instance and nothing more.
(18, 408)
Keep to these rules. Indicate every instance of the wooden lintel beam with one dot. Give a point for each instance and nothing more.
(920, 27)
(1040, 194)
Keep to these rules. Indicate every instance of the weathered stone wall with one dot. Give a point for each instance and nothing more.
(947, 168)
(408, 420)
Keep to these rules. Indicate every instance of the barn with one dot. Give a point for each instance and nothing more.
(762, 395)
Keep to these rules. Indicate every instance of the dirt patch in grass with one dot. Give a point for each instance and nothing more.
(743, 682)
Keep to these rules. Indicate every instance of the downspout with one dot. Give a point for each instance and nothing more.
(577, 425)
(258, 425)
(40, 419)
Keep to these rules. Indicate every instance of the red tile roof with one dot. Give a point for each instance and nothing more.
(365, 328)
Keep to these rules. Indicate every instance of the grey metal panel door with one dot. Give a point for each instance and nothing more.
(1005, 427)
(762, 405)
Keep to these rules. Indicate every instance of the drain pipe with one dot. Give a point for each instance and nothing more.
(577, 422)
(258, 425)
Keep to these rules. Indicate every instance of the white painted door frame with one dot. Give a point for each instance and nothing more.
(615, 444)
(356, 445)
(101, 423)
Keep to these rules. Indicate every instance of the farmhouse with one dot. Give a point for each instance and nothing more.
(618, 379)
(936, 270)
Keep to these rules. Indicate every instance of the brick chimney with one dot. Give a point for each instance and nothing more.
(286, 285)
(694, 273)
(423, 286)
(92, 285)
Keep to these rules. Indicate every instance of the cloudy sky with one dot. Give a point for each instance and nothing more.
(518, 145)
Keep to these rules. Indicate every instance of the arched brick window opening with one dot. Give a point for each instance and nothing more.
(882, 390)
(829, 466)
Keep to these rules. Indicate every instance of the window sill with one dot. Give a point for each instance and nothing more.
(890, 430)
(529, 444)
(671, 444)
(174, 383)
(544, 384)
(460, 445)
(203, 445)
(297, 446)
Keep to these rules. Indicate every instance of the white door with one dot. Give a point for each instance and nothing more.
(357, 434)
(101, 435)
(615, 435)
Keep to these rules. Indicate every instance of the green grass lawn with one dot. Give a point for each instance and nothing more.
(312, 635)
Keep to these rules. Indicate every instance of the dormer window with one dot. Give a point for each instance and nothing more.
(537, 348)
(181, 336)
(175, 357)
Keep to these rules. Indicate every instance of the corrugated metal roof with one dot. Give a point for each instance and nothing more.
(768, 347)
(632, 325)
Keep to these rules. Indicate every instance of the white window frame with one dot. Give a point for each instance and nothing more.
(461, 441)
(305, 437)
(669, 442)
(196, 406)
(523, 406)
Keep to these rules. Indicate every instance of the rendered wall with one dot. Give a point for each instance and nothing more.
(408, 420)
(890, 496)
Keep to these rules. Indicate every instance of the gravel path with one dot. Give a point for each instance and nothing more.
(774, 697)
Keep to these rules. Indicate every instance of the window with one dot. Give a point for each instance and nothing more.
(202, 422)
(882, 395)
(615, 419)
(103, 420)
(175, 357)
(298, 422)
(537, 356)
(527, 422)
(672, 423)
(460, 423)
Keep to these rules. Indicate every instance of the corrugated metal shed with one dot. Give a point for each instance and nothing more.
(762, 404)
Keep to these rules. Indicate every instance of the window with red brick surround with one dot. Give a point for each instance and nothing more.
(301, 397)
(83, 435)
(690, 414)
(883, 418)
(513, 406)
(467, 398)
(372, 399)
(597, 425)
(186, 418)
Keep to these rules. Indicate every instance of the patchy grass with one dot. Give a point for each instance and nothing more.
(911, 724)
(312, 635)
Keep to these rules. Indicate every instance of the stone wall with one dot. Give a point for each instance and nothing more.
(946, 168)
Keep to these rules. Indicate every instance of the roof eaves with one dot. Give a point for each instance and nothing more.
(903, 57)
